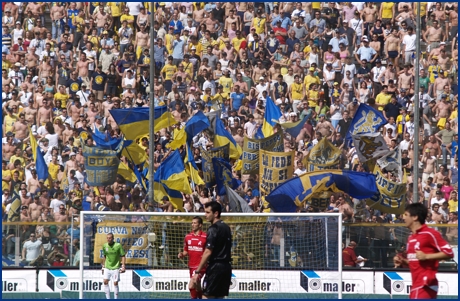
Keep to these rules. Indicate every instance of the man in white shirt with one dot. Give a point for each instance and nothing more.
(55, 203)
(376, 72)
(300, 169)
(358, 26)
(83, 94)
(438, 199)
(409, 45)
(250, 127)
(32, 248)
(405, 144)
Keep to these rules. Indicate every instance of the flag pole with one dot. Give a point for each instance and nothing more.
(415, 197)
(151, 107)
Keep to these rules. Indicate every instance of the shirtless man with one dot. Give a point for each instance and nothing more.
(67, 133)
(24, 217)
(439, 83)
(429, 160)
(31, 58)
(25, 199)
(92, 112)
(141, 41)
(106, 106)
(231, 17)
(9, 148)
(30, 112)
(239, 136)
(102, 17)
(258, 71)
(36, 9)
(32, 183)
(370, 15)
(45, 113)
(198, 16)
(45, 198)
(392, 47)
(242, 84)
(439, 14)
(57, 13)
(58, 126)
(61, 215)
(405, 79)
(83, 67)
(442, 109)
(324, 127)
(452, 26)
(20, 128)
(405, 14)
(75, 109)
(71, 164)
(35, 208)
(434, 35)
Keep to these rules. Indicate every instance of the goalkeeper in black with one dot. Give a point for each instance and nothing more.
(217, 254)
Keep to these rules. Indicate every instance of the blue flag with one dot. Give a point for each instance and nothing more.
(271, 118)
(195, 125)
(103, 140)
(224, 176)
(295, 192)
(367, 120)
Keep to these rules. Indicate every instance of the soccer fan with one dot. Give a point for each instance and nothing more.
(194, 246)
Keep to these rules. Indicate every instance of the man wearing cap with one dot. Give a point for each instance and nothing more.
(442, 110)
(439, 83)
(365, 52)
(358, 26)
(16, 75)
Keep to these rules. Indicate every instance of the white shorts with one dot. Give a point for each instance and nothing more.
(112, 274)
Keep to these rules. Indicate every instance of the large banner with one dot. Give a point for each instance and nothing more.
(370, 146)
(133, 237)
(251, 148)
(382, 283)
(101, 165)
(391, 196)
(222, 152)
(323, 155)
(367, 120)
(274, 169)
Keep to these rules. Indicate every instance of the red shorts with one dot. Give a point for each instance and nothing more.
(203, 271)
(423, 293)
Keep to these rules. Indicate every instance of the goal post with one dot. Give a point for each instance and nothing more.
(275, 255)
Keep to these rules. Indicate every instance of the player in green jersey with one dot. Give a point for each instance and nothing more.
(114, 256)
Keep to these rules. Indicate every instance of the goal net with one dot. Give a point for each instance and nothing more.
(281, 255)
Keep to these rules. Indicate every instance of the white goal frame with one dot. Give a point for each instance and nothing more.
(191, 214)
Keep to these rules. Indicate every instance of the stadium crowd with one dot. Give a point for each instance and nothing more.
(65, 65)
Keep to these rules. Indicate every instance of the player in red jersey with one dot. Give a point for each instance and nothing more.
(425, 247)
(194, 245)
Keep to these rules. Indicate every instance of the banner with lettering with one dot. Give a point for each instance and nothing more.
(251, 148)
(369, 146)
(222, 152)
(323, 155)
(274, 169)
(391, 196)
(101, 164)
(132, 236)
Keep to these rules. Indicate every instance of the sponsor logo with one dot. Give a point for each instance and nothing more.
(393, 283)
(311, 282)
(14, 285)
(142, 279)
(171, 285)
(251, 285)
(57, 280)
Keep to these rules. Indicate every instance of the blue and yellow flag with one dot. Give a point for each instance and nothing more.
(133, 152)
(175, 197)
(271, 118)
(294, 128)
(40, 164)
(297, 191)
(390, 196)
(224, 176)
(324, 155)
(190, 167)
(179, 139)
(14, 213)
(367, 120)
(172, 174)
(196, 125)
(222, 152)
(127, 173)
(223, 137)
(134, 122)
(103, 140)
